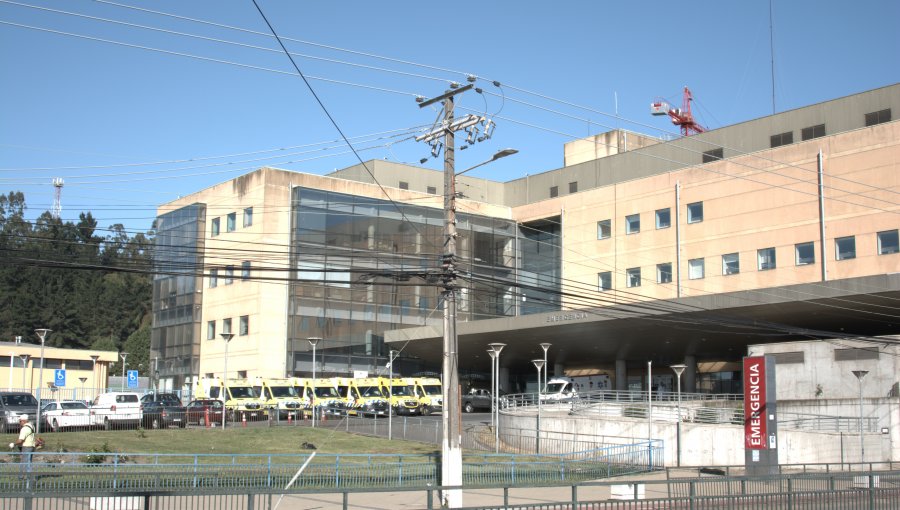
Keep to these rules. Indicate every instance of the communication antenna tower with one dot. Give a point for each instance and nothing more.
(57, 197)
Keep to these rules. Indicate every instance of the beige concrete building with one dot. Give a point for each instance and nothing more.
(778, 229)
(86, 371)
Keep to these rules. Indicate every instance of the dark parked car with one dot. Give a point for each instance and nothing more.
(196, 411)
(12, 404)
(477, 398)
(161, 410)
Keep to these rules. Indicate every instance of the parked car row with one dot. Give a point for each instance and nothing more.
(111, 410)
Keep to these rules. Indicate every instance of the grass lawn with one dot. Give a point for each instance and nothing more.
(238, 440)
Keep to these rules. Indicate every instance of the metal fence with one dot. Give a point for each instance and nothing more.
(838, 491)
(117, 472)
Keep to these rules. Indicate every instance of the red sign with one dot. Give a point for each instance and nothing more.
(755, 403)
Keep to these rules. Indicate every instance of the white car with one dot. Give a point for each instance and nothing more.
(67, 414)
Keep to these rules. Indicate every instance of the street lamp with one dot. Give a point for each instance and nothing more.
(499, 154)
(94, 358)
(860, 375)
(227, 337)
(538, 364)
(678, 371)
(495, 393)
(124, 356)
(493, 356)
(83, 380)
(313, 340)
(545, 346)
(24, 367)
(42, 333)
(392, 355)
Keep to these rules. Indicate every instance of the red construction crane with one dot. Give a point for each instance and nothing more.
(681, 117)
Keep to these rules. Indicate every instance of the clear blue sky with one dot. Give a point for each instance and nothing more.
(131, 117)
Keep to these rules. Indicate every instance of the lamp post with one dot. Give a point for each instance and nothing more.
(495, 393)
(538, 364)
(493, 356)
(124, 356)
(83, 380)
(545, 346)
(313, 341)
(392, 355)
(649, 404)
(24, 367)
(679, 369)
(227, 337)
(860, 375)
(94, 358)
(42, 333)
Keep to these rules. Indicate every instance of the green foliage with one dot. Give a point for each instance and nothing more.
(98, 455)
(90, 290)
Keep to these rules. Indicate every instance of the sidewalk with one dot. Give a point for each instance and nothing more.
(472, 498)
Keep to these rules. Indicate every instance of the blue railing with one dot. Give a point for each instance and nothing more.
(117, 472)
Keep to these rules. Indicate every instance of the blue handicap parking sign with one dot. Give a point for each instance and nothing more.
(132, 378)
(59, 377)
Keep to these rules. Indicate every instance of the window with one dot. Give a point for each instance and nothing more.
(604, 229)
(765, 259)
(663, 218)
(244, 325)
(664, 273)
(731, 264)
(808, 133)
(805, 253)
(888, 242)
(248, 217)
(245, 270)
(210, 330)
(633, 224)
(431, 190)
(695, 212)
(554, 191)
(878, 117)
(213, 278)
(781, 139)
(214, 227)
(633, 277)
(845, 248)
(696, 269)
(229, 275)
(231, 222)
(404, 185)
(604, 281)
(573, 187)
(713, 155)
(226, 326)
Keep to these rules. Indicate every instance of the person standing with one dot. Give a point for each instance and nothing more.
(25, 442)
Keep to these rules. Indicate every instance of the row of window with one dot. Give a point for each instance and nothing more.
(228, 274)
(243, 327)
(777, 140)
(807, 133)
(230, 222)
(431, 190)
(663, 220)
(804, 254)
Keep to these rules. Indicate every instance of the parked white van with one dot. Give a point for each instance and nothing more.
(116, 410)
(559, 389)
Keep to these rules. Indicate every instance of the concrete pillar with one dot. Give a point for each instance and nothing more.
(558, 371)
(689, 377)
(621, 375)
(503, 378)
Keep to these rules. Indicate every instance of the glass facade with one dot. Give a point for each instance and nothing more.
(364, 266)
(175, 337)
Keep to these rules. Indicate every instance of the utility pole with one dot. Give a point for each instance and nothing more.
(451, 452)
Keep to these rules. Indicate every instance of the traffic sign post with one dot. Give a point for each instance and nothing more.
(132, 378)
(59, 377)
